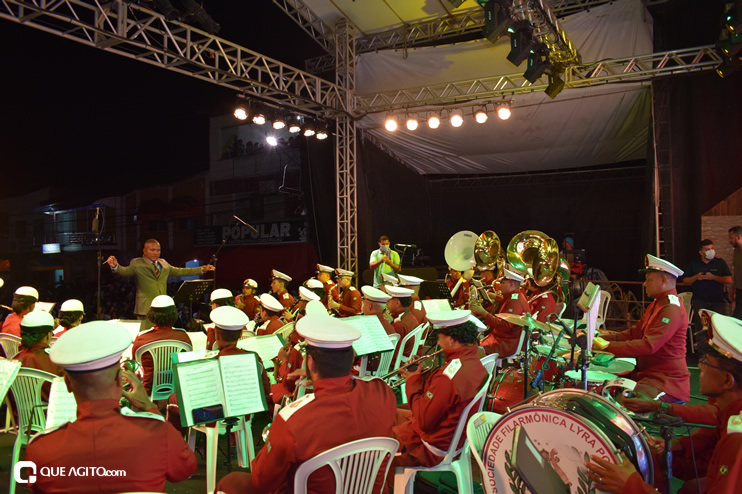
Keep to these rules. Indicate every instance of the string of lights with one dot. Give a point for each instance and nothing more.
(455, 116)
(260, 114)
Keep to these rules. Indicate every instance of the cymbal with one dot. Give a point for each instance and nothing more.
(524, 320)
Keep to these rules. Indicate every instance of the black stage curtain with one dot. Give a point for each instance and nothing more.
(318, 189)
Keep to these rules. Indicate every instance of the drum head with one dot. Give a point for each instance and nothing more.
(618, 367)
(612, 416)
(592, 376)
(560, 442)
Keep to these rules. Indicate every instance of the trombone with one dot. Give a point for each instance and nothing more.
(426, 361)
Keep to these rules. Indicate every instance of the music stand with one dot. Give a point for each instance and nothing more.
(191, 290)
(435, 290)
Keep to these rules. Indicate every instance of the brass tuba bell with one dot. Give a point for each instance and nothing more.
(487, 251)
(536, 253)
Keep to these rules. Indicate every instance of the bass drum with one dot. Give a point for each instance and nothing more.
(562, 429)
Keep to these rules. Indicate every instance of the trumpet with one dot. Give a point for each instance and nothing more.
(426, 361)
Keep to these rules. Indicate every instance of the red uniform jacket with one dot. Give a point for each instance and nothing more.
(658, 343)
(286, 299)
(403, 324)
(503, 337)
(350, 301)
(329, 292)
(544, 304)
(357, 409)
(147, 448)
(462, 294)
(417, 309)
(270, 326)
(437, 403)
(157, 333)
(37, 357)
(295, 361)
(12, 324)
(249, 305)
(387, 325)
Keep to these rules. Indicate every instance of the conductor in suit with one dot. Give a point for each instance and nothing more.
(151, 273)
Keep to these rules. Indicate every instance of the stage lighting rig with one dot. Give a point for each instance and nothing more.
(480, 114)
(390, 123)
(434, 120)
(521, 42)
(729, 45)
(497, 19)
(556, 83)
(538, 63)
(503, 110)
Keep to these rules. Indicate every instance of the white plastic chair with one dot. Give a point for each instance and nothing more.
(489, 362)
(355, 464)
(246, 333)
(477, 431)
(605, 299)
(26, 391)
(518, 349)
(245, 446)
(10, 344)
(385, 358)
(416, 335)
(162, 366)
(455, 462)
(685, 298)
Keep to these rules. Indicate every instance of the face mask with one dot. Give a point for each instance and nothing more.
(710, 254)
(384, 248)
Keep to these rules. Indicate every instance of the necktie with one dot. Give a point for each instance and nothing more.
(157, 269)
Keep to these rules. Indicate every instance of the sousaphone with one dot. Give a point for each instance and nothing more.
(459, 251)
(487, 252)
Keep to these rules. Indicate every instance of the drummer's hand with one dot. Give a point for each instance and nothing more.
(637, 405)
(207, 267)
(607, 476)
(111, 261)
(477, 310)
(656, 444)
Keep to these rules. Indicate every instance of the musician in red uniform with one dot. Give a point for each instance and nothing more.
(219, 298)
(541, 301)
(229, 322)
(374, 301)
(437, 401)
(163, 314)
(404, 321)
(503, 337)
(104, 435)
(348, 300)
(24, 301)
(324, 275)
(71, 314)
(247, 302)
(359, 409)
(658, 339)
(461, 297)
(270, 312)
(413, 283)
(721, 381)
(306, 294)
(279, 283)
(36, 331)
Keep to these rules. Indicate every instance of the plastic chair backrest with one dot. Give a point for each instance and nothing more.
(685, 298)
(417, 335)
(246, 333)
(26, 390)
(162, 366)
(355, 464)
(478, 402)
(385, 359)
(10, 344)
(605, 299)
(477, 431)
(561, 306)
(489, 362)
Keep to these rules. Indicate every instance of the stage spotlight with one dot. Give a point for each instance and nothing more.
(481, 114)
(294, 125)
(521, 42)
(271, 140)
(308, 130)
(496, 19)
(259, 118)
(434, 120)
(279, 122)
(456, 118)
(556, 84)
(728, 66)
(411, 122)
(240, 111)
(503, 110)
(322, 132)
(390, 123)
(538, 63)
(733, 17)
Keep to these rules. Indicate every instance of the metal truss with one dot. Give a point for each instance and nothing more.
(345, 152)
(548, 30)
(310, 22)
(144, 35)
(633, 69)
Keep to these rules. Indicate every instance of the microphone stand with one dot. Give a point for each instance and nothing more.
(538, 381)
(214, 256)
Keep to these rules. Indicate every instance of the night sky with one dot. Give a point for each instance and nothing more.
(74, 115)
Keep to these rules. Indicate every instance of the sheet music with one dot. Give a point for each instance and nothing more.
(195, 355)
(62, 404)
(198, 340)
(243, 390)
(436, 305)
(199, 385)
(8, 370)
(266, 346)
(373, 336)
(44, 306)
(133, 327)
